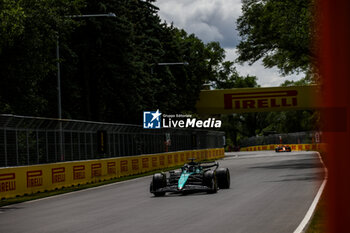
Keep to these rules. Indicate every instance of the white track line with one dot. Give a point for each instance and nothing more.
(78, 191)
(311, 211)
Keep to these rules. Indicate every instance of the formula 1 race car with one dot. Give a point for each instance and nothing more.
(283, 149)
(192, 177)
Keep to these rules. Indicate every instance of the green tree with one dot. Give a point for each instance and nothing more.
(110, 65)
(11, 21)
(294, 121)
(301, 82)
(291, 121)
(227, 77)
(278, 32)
(109, 68)
(237, 126)
(27, 51)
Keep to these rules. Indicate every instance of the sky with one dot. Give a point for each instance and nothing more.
(215, 20)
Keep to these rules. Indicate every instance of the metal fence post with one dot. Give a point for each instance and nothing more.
(92, 146)
(79, 150)
(5, 147)
(85, 146)
(114, 151)
(5, 140)
(17, 160)
(61, 152)
(37, 147)
(119, 147)
(47, 147)
(55, 140)
(71, 146)
(27, 136)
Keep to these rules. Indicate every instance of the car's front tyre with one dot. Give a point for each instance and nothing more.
(158, 182)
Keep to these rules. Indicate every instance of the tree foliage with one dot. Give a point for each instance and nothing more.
(281, 34)
(278, 32)
(11, 21)
(28, 39)
(236, 126)
(109, 65)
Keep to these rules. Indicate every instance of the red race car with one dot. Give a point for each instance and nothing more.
(283, 149)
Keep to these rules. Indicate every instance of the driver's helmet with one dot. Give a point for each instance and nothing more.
(184, 167)
(192, 168)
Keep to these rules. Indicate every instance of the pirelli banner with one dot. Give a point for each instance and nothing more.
(17, 181)
(257, 99)
(294, 147)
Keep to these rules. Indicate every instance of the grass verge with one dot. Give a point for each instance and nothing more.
(318, 221)
(34, 196)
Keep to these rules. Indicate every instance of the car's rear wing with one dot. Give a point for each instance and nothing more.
(209, 164)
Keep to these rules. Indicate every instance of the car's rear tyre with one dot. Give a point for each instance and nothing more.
(214, 186)
(158, 181)
(210, 181)
(223, 178)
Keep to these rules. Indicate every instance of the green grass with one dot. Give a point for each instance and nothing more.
(15, 200)
(318, 221)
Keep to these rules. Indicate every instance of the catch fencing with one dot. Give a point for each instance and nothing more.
(34, 140)
(287, 138)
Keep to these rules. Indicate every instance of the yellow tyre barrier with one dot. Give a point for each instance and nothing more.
(17, 181)
(295, 147)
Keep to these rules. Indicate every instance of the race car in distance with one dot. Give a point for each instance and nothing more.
(283, 148)
(192, 177)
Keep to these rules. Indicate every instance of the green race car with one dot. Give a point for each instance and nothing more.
(192, 177)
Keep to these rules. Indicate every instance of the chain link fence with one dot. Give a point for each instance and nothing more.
(33, 140)
(287, 138)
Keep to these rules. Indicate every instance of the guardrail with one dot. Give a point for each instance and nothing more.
(16, 181)
(35, 140)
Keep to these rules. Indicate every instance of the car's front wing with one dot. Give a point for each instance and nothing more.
(188, 187)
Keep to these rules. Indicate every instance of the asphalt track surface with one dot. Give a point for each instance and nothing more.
(270, 192)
